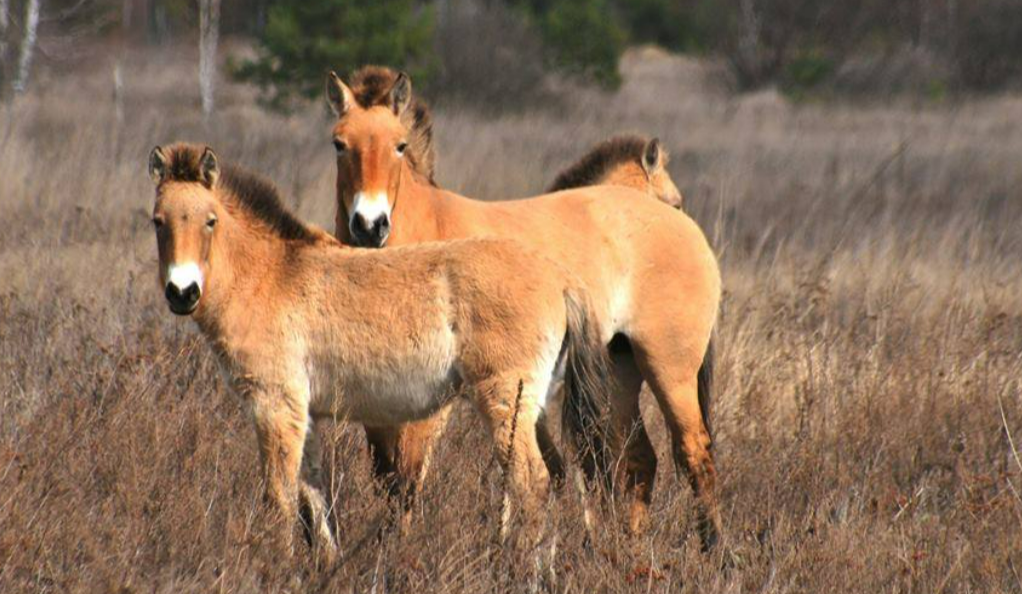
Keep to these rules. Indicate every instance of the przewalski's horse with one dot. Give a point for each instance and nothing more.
(307, 327)
(631, 161)
(626, 160)
(651, 275)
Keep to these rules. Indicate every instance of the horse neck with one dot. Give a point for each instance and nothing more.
(417, 210)
(624, 174)
(243, 266)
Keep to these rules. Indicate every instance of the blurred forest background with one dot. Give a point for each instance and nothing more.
(453, 48)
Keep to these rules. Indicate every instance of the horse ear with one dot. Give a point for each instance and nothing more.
(338, 95)
(157, 165)
(209, 168)
(400, 94)
(652, 156)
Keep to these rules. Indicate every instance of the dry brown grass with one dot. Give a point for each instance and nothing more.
(870, 338)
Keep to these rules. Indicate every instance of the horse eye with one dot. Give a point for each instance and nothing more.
(339, 146)
(211, 223)
(401, 147)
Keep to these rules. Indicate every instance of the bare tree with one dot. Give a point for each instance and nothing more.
(209, 33)
(27, 45)
(4, 28)
(4, 24)
(748, 54)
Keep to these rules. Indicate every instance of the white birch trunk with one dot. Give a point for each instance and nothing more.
(209, 33)
(27, 45)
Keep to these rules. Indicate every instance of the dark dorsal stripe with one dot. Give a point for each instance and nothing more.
(591, 168)
(252, 193)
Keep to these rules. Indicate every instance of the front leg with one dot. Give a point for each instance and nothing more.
(281, 423)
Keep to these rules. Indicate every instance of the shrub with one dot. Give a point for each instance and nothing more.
(808, 69)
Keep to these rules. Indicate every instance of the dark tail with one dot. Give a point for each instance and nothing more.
(587, 386)
(704, 383)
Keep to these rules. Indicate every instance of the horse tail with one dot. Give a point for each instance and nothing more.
(587, 386)
(704, 387)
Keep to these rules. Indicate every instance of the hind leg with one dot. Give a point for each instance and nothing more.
(401, 456)
(414, 455)
(636, 469)
(676, 391)
(312, 504)
(383, 451)
(511, 415)
(548, 449)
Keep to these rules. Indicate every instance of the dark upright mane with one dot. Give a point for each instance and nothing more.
(371, 86)
(251, 192)
(596, 163)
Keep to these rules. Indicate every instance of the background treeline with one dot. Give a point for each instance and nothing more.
(928, 47)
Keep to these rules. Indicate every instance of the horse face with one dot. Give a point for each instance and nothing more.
(370, 146)
(654, 163)
(662, 186)
(185, 220)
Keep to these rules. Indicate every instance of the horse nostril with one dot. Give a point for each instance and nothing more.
(191, 293)
(359, 224)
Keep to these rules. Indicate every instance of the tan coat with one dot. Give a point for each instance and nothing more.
(651, 275)
(306, 327)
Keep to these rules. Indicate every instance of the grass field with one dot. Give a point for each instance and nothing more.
(868, 379)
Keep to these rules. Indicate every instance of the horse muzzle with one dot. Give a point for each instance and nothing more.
(372, 234)
(183, 301)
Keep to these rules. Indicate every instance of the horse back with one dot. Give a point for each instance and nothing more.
(615, 238)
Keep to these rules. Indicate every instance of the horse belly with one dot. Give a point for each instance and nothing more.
(388, 389)
(391, 399)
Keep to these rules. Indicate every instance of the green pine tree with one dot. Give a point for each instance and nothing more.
(304, 39)
(586, 39)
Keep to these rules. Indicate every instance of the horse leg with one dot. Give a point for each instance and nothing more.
(636, 471)
(281, 428)
(512, 414)
(312, 505)
(413, 456)
(383, 451)
(676, 391)
(548, 449)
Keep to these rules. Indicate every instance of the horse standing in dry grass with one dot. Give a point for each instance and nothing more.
(651, 275)
(308, 328)
(401, 455)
